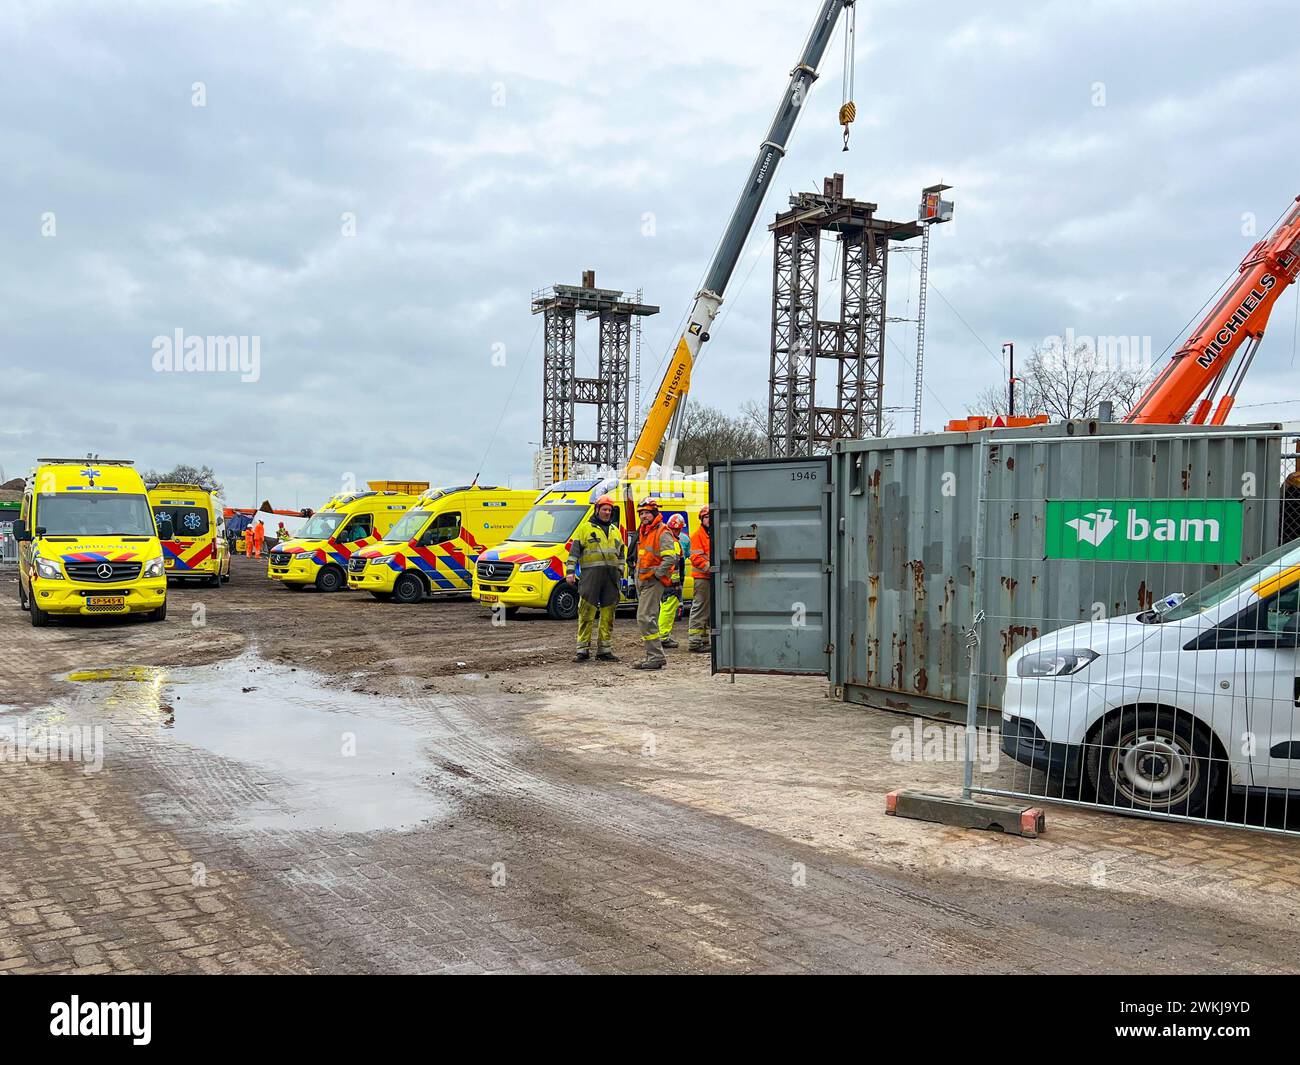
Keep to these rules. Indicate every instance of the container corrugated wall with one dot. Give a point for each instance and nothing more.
(905, 568)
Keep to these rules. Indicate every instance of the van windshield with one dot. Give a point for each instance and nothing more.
(321, 526)
(94, 514)
(1267, 566)
(408, 526)
(549, 523)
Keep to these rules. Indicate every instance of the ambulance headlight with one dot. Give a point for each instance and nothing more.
(533, 567)
(48, 568)
(381, 560)
(154, 567)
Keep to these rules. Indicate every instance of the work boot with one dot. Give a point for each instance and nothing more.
(699, 648)
(608, 656)
(582, 655)
(669, 642)
(648, 663)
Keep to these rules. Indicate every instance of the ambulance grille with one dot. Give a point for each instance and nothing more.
(279, 558)
(495, 571)
(356, 565)
(112, 571)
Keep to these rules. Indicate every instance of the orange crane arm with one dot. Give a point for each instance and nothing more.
(1194, 374)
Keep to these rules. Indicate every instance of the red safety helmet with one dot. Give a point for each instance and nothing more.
(607, 500)
(648, 504)
(676, 522)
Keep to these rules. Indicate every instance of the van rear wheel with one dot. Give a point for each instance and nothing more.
(408, 588)
(564, 602)
(1154, 759)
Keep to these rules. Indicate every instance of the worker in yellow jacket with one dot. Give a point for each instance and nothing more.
(595, 565)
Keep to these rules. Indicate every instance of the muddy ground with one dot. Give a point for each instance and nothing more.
(294, 782)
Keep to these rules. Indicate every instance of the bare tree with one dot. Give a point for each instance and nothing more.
(1064, 386)
(710, 435)
(203, 476)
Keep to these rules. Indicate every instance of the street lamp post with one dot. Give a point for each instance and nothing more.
(256, 501)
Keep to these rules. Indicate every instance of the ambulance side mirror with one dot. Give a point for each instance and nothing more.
(22, 534)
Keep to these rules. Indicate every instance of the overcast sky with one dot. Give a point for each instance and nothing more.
(1103, 156)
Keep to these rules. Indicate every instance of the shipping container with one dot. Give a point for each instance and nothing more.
(873, 550)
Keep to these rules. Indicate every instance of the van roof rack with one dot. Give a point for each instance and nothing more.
(179, 486)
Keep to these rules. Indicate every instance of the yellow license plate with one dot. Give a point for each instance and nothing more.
(487, 598)
(106, 602)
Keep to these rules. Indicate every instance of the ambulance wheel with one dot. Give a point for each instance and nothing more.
(408, 588)
(331, 579)
(22, 597)
(157, 615)
(564, 602)
(214, 581)
(225, 578)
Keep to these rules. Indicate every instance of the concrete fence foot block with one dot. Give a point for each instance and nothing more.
(1027, 821)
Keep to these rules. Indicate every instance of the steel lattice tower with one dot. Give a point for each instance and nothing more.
(563, 389)
(797, 424)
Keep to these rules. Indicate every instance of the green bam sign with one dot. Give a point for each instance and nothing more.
(1146, 530)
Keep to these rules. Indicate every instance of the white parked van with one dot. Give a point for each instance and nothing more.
(1164, 711)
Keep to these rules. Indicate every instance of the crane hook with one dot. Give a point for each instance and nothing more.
(847, 114)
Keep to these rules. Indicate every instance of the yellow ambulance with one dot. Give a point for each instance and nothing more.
(527, 569)
(88, 542)
(198, 549)
(320, 551)
(433, 547)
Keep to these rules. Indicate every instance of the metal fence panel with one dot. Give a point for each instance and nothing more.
(905, 573)
(1153, 666)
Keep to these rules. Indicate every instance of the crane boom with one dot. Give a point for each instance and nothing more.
(1195, 372)
(663, 416)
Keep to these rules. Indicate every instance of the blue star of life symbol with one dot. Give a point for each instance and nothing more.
(91, 473)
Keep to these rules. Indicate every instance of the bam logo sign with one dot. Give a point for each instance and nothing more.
(1145, 530)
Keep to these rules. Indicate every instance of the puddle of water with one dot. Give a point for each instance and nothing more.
(321, 758)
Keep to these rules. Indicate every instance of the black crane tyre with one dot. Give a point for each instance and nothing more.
(408, 588)
(564, 602)
(1154, 759)
(331, 579)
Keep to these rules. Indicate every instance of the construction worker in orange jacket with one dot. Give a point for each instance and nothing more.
(697, 629)
(657, 552)
(259, 537)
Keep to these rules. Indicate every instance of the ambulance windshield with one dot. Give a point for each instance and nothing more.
(408, 526)
(321, 526)
(93, 514)
(549, 523)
